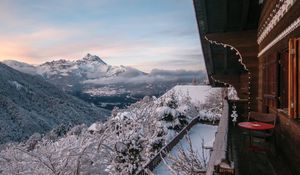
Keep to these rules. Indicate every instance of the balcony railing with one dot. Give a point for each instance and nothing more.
(219, 150)
(220, 146)
(150, 166)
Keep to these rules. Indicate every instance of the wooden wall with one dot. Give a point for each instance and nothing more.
(245, 43)
(288, 140)
(287, 128)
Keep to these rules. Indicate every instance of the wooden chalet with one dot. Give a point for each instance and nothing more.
(254, 45)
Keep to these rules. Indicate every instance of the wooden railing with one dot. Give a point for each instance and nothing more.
(219, 151)
(167, 148)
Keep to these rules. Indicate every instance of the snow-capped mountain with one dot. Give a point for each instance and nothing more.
(95, 81)
(89, 67)
(67, 74)
(29, 104)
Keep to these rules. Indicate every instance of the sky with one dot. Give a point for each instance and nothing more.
(145, 34)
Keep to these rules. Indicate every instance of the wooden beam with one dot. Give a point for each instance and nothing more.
(225, 16)
(236, 39)
(232, 79)
(200, 10)
(244, 17)
(297, 78)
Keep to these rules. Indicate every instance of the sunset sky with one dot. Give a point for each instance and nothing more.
(145, 34)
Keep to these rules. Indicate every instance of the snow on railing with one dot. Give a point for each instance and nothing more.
(167, 148)
(220, 144)
(219, 149)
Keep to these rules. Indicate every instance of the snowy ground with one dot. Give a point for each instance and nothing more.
(198, 94)
(197, 133)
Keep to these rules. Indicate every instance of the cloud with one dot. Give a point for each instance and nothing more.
(174, 73)
(176, 61)
(27, 47)
(156, 75)
(134, 32)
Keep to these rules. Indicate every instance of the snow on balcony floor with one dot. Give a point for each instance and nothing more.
(197, 133)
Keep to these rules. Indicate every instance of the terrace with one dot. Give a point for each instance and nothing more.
(248, 162)
(230, 144)
(253, 46)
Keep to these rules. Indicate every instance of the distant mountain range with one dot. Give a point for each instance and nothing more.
(94, 81)
(29, 104)
(67, 74)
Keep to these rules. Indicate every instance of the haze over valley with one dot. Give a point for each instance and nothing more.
(94, 81)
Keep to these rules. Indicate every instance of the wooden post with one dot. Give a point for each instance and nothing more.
(292, 79)
(224, 168)
(298, 77)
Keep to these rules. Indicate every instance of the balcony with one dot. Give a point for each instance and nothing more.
(248, 162)
(230, 153)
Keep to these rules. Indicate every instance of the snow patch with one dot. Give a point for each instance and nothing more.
(95, 127)
(16, 84)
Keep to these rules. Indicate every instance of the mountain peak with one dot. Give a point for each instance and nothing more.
(90, 57)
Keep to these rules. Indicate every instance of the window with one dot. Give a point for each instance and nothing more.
(283, 80)
(270, 80)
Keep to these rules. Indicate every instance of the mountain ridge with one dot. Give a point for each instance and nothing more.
(29, 104)
(93, 80)
(65, 73)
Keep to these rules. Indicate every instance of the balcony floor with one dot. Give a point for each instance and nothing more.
(248, 162)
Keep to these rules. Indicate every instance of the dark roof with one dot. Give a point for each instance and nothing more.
(217, 17)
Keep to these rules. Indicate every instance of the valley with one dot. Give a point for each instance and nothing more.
(96, 82)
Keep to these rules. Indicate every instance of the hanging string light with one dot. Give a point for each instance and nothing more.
(231, 48)
(244, 67)
(221, 82)
(234, 114)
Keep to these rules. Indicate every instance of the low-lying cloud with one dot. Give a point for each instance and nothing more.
(155, 76)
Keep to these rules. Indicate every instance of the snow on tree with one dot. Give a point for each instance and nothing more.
(187, 161)
(127, 155)
(72, 154)
(232, 93)
(121, 145)
(212, 109)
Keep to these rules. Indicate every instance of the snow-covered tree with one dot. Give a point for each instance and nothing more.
(121, 145)
(187, 161)
(212, 109)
